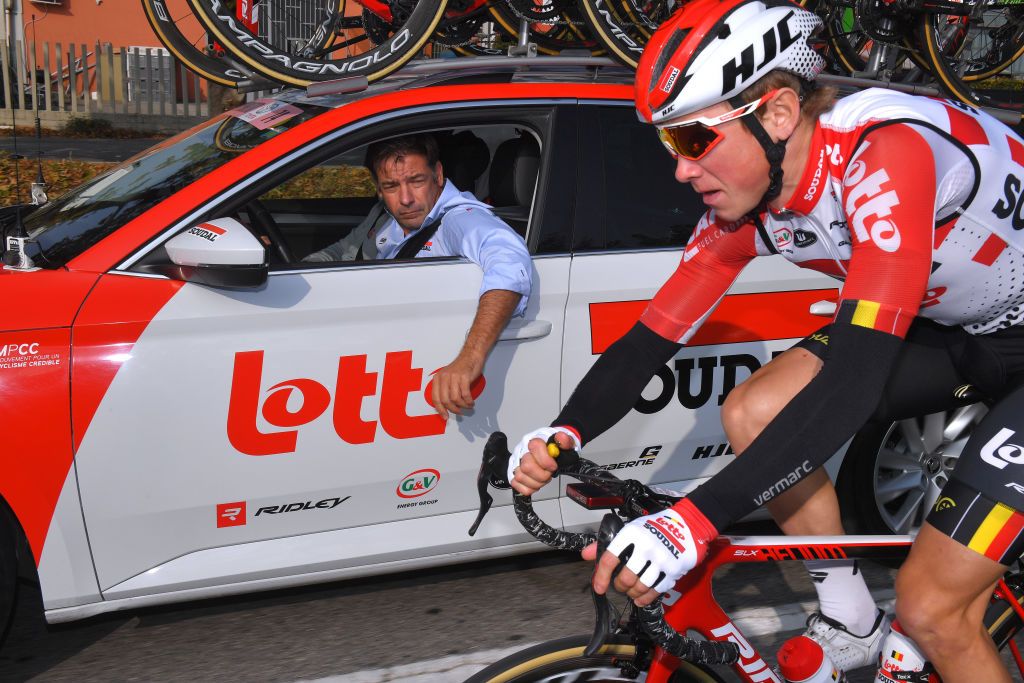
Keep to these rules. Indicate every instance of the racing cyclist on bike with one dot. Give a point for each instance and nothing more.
(917, 205)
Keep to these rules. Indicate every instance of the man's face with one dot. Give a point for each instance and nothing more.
(409, 188)
(733, 176)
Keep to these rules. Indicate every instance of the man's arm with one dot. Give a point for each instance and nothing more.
(452, 383)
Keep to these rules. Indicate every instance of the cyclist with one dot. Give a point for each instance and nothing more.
(917, 205)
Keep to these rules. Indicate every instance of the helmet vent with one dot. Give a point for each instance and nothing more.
(670, 48)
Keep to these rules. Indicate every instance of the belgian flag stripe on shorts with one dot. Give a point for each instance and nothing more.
(997, 532)
(875, 316)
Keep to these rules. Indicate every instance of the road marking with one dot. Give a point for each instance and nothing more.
(752, 621)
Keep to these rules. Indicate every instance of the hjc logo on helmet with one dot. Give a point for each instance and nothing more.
(354, 383)
(773, 42)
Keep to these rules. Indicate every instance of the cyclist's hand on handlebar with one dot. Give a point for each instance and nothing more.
(531, 465)
(657, 550)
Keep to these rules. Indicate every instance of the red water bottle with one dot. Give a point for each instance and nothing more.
(801, 660)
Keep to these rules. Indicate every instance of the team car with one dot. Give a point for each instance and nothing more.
(192, 410)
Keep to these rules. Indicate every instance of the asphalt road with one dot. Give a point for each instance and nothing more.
(78, 149)
(365, 631)
(357, 626)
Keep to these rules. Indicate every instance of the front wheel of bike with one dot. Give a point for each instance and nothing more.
(562, 661)
(973, 56)
(354, 50)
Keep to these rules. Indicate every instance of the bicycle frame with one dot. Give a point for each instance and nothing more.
(691, 605)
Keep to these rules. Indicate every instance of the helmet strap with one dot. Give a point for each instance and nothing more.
(775, 152)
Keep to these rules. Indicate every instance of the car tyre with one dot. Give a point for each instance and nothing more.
(893, 472)
(9, 546)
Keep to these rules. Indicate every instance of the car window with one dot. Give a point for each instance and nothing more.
(67, 226)
(644, 205)
(322, 208)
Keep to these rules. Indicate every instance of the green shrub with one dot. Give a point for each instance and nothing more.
(82, 126)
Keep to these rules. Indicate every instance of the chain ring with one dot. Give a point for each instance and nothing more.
(550, 13)
(458, 33)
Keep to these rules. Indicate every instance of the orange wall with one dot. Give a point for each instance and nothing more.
(120, 22)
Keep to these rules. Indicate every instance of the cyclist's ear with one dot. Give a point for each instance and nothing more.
(781, 114)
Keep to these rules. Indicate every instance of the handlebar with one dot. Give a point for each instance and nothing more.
(633, 500)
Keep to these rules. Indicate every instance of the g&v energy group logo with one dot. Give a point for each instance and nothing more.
(417, 485)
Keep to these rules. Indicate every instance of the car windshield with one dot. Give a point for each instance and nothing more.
(75, 221)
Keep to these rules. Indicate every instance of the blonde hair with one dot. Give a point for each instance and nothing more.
(813, 102)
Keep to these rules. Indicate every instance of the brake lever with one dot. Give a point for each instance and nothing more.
(493, 472)
(605, 618)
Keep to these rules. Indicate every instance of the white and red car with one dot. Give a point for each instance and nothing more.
(190, 410)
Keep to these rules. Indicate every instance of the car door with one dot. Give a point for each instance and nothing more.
(627, 242)
(256, 435)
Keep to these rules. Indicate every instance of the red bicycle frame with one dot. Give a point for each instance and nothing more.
(691, 605)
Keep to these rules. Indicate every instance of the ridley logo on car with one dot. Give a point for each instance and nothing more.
(231, 514)
(354, 383)
(418, 483)
(325, 504)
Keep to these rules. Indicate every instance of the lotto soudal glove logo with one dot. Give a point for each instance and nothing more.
(670, 535)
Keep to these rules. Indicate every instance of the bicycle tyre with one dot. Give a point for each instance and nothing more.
(374, 63)
(545, 662)
(969, 77)
(623, 37)
(171, 37)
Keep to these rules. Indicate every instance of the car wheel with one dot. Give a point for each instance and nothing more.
(893, 472)
(8, 570)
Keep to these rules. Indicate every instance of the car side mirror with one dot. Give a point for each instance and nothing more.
(219, 253)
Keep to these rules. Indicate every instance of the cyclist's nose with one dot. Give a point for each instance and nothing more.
(687, 170)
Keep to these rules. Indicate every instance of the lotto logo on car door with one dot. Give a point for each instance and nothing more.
(355, 382)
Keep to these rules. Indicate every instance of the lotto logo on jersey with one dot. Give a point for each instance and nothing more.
(293, 403)
(869, 205)
(999, 452)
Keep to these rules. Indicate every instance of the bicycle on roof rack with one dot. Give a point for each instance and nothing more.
(646, 643)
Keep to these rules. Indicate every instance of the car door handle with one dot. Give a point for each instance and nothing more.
(824, 308)
(525, 329)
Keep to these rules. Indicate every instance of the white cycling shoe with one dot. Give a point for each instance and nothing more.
(846, 650)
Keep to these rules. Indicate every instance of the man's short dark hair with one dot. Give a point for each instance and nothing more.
(422, 144)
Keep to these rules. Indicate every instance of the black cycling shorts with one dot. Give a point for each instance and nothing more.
(979, 506)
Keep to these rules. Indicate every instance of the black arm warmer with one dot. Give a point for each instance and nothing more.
(611, 387)
(819, 419)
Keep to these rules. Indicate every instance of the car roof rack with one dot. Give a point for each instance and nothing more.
(423, 72)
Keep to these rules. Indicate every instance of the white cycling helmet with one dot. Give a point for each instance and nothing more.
(710, 51)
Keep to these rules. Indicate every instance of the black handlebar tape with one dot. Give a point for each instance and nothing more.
(536, 527)
(652, 619)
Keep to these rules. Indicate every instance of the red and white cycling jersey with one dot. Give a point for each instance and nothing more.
(916, 203)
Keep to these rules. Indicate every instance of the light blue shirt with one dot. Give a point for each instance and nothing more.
(469, 229)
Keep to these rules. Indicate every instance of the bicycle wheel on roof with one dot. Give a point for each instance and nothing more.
(978, 57)
(624, 26)
(302, 42)
(185, 38)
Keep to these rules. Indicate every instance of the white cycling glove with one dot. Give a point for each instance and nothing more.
(523, 447)
(666, 544)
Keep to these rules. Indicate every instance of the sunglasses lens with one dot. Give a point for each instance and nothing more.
(691, 141)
